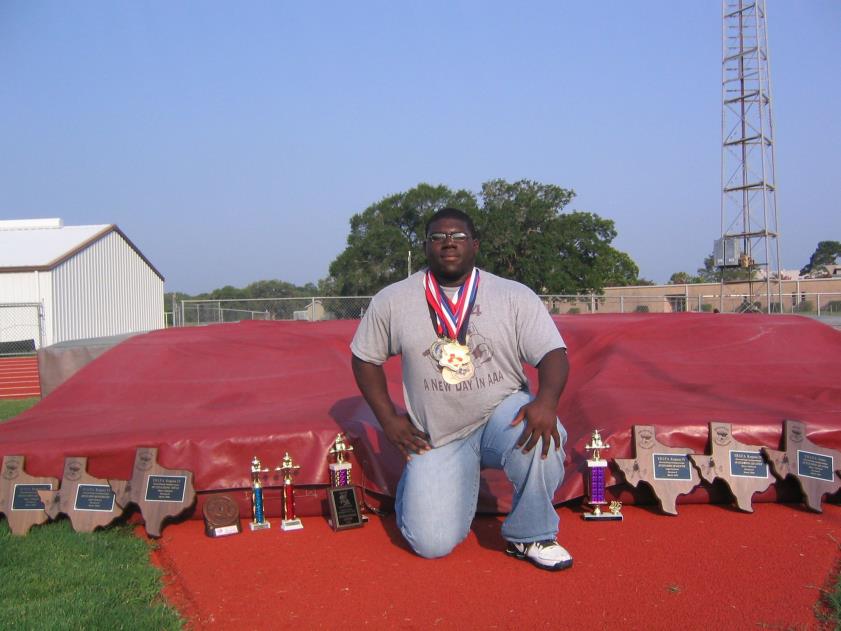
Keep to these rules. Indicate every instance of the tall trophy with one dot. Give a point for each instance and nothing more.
(340, 469)
(259, 521)
(344, 507)
(596, 470)
(287, 470)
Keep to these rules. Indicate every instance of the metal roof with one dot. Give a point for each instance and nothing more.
(43, 244)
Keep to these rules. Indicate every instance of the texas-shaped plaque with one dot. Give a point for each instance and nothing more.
(742, 467)
(667, 470)
(160, 493)
(19, 499)
(812, 466)
(89, 502)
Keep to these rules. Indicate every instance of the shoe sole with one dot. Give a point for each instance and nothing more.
(563, 565)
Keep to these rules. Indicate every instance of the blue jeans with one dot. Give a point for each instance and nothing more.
(438, 491)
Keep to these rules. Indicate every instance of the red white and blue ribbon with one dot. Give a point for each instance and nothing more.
(452, 316)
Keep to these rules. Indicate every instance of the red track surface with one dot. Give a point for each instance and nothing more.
(19, 378)
(708, 568)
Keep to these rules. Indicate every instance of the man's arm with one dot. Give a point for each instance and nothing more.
(541, 414)
(397, 427)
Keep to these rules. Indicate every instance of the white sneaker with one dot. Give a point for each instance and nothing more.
(547, 555)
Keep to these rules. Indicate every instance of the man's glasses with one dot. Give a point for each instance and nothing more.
(441, 237)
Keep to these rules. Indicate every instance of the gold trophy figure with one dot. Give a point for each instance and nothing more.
(287, 470)
(596, 470)
(340, 470)
(259, 521)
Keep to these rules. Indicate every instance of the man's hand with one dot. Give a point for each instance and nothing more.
(404, 435)
(541, 422)
(540, 415)
(397, 427)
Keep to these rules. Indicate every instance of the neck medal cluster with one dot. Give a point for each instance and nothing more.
(451, 349)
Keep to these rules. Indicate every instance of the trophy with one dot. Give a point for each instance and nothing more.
(340, 470)
(596, 469)
(344, 507)
(287, 470)
(259, 521)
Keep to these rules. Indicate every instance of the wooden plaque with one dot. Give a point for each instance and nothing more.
(815, 468)
(89, 502)
(160, 493)
(344, 508)
(19, 498)
(742, 467)
(667, 470)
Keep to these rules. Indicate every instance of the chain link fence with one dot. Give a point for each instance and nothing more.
(20, 329)
(813, 304)
(199, 312)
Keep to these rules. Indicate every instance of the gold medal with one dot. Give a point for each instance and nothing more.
(457, 376)
(456, 362)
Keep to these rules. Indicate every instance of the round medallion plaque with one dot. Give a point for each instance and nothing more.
(221, 516)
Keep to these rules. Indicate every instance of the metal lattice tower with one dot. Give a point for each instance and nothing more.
(749, 219)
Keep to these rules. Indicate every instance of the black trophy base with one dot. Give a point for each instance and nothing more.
(222, 531)
(599, 515)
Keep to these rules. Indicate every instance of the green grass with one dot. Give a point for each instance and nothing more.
(13, 407)
(55, 578)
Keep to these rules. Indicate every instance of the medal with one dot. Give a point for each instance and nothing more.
(451, 350)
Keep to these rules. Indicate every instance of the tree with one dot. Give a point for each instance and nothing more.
(825, 254)
(525, 236)
(682, 278)
(383, 235)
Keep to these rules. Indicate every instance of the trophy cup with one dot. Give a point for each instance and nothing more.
(259, 521)
(596, 469)
(344, 507)
(287, 470)
(340, 470)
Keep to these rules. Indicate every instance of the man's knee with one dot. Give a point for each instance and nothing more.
(432, 542)
(519, 465)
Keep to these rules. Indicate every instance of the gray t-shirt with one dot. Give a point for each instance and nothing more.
(509, 325)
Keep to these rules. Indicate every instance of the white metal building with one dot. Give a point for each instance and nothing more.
(86, 281)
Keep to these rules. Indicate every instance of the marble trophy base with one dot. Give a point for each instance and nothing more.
(291, 524)
(265, 525)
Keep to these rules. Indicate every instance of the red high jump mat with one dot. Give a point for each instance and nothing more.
(210, 398)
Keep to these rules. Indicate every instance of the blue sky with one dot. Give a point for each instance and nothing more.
(232, 142)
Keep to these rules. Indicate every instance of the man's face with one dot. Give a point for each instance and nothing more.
(451, 261)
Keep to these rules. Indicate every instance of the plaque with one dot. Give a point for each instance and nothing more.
(814, 467)
(344, 509)
(20, 495)
(671, 466)
(94, 497)
(596, 480)
(166, 488)
(161, 493)
(221, 516)
(25, 496)
(89, 502)
(742, 467)
(667, 470)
